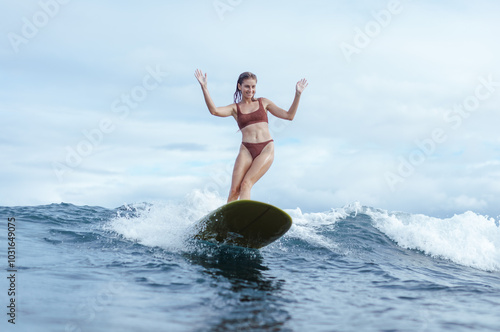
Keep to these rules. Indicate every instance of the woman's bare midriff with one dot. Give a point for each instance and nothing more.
(255, 133)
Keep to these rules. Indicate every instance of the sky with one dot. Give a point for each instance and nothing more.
(100, 106)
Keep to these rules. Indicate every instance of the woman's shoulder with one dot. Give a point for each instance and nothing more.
(265, 99)
(265, 102)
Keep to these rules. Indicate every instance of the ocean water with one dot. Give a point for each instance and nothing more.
(353, 268)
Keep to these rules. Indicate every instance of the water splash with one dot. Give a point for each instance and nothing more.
(163, 224)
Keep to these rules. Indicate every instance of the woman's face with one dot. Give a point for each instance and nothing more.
(247, 88)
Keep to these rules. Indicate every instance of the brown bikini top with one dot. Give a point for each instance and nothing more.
(260, 115)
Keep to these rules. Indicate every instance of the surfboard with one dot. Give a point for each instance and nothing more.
(244, 223)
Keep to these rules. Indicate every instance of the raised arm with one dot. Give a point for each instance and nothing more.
(214, 110)
(290, 114)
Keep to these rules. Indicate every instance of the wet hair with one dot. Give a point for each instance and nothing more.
(243, 76)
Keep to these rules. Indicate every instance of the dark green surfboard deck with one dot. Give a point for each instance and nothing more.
(244, 223)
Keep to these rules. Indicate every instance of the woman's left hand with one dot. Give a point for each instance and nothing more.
(301, 85)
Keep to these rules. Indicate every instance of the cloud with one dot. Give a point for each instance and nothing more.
(357, 119)
(184, 147)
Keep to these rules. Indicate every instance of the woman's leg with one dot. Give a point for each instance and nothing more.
(241, 166)
(258, 168)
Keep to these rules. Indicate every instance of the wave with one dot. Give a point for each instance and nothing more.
(467, 239)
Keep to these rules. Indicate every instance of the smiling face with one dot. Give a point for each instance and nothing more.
(247, 88)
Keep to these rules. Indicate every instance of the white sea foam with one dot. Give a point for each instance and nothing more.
(468, 239)
(164, 224)
(305, 226)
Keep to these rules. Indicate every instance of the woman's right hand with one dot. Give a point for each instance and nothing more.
(201, 78)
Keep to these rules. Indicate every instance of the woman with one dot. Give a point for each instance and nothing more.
(257, 148)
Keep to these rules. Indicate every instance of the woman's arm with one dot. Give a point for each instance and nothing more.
(214, 110)
(281, 113)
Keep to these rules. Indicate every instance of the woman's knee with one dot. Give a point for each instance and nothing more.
(234, 191)
(246, 184)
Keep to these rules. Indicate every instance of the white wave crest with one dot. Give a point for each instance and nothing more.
(468, 239)
(305, 225)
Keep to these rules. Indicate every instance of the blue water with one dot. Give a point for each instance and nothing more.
(354, 268)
